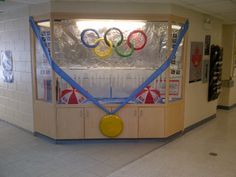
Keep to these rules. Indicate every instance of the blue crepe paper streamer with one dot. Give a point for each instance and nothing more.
(90, 97)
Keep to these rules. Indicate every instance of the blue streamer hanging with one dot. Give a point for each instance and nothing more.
(59, 71)
(159, 71)
(74, 84)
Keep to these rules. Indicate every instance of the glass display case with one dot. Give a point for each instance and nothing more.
(112, 78)
(110, 59)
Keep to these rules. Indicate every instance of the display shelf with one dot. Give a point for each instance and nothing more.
(72, 116)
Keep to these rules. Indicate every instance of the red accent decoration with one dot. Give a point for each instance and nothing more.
(148, 95)
(71, 96)
(196, 57)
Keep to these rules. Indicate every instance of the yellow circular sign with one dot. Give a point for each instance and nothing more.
(111, 126)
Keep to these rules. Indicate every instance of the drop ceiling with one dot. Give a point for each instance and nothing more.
(223, 9)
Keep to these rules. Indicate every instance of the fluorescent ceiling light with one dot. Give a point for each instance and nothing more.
(44, 24)
(176, 27)
(100, 24)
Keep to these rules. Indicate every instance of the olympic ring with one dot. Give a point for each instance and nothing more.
(103, 54)
(116, 29)
(83, 40)
(128, 54)
(134, 32)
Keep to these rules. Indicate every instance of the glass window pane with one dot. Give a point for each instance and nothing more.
(176, 67)
(118, 75)
(43, 69)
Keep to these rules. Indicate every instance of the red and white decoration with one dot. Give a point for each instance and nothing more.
(71, 96)
(149, 95)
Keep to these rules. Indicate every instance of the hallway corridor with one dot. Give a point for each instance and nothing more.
(117, 88)
(23, 155)
(189, 155)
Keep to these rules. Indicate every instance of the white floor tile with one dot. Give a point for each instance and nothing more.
(30, 156)
(188, 156)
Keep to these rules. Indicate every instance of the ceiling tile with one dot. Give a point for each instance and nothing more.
(224, 9)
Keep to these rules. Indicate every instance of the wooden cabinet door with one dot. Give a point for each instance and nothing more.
(174, 118)
(93, 115)
(151, 122)
(130, 120)
(45, 119)
(70, 123)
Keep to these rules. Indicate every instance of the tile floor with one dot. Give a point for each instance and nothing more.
(23, 155)
(188, 156)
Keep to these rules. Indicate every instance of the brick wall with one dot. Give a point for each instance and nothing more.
(16, 98)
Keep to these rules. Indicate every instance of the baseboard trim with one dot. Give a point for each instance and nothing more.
(71, 141)
(110, 140)
(44, 137)
(198, 124)
(226, 107)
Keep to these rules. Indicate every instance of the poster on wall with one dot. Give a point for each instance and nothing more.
(195, 73)
(207, 45)
(7, 66)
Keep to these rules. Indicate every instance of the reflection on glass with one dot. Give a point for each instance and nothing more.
(176, 67)
(43, 69)
(116, 76)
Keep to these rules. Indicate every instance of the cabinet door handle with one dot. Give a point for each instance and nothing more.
(141, 113)
(81, 113)
(87, 113)
(135, 113)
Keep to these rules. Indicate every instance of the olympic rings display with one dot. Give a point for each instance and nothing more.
(103, 54)
(108, 52)
(128, 54)
(114, 29)
(134, 32)
(83, 38)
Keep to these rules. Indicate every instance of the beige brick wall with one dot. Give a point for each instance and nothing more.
(16, 98)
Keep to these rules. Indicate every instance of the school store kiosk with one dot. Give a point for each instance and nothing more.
(108, 76)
